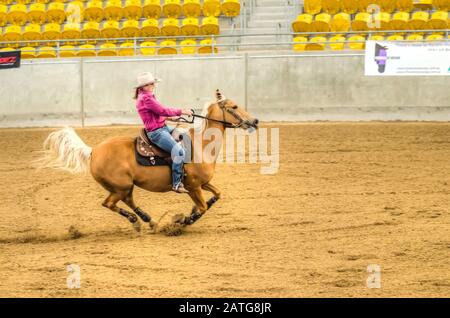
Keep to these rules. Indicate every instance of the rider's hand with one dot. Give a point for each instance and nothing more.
(173, 118)
(187, 112)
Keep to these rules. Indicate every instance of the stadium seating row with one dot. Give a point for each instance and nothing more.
(363, 21)
(354, 42)
(389, 6)
(96, 10)
(111, 29)
(188, 46)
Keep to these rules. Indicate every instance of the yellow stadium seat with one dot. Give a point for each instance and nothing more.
(377, 37)
(36, 13)
(23, 1)
(132, 9)
(86, 50)
(360, 23)
(152, 9)
(191, 8)
(5, 2)
(423, 4)
(338, 45)
(91, 30)
(414, 37)
(210, 26)
(206, 46)
(330, 6)
(357, 45)
(28, 52)
(349, 6)
(298, 47)
(3, 14)
(189, 26)
(46, 52)
(43, 1)
(382, 21)
(188, 46)
(316, 43)
(439, 20)
(419, 20)
(435, 37)
(71, 31)
(443, 5)
(170, 27)
(405, 5)
(167, 47)
(130, 29)
(231, 8)
(32, 32)
(113, 10)
(340, 22)
(107, 49)
(171, 8)
(312, 7)
(364, 5)
(148, 48)
(211, 8)
(400, 20)
(387, 5)
(149, 27)
(395, 37)
(302, 23)
(51, 31)
(12, 33)
(67, 51)
(75, 12)
(110, 29)
(126, 49)
(56, 12)
(321, 23)
(94, 11)
(17, 14)
(7, 49)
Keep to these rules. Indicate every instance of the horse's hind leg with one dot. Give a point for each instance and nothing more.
(111, 203)
(128, 200)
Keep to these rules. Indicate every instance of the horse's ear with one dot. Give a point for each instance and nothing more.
(218, 95)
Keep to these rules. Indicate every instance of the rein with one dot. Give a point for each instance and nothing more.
(224, 122)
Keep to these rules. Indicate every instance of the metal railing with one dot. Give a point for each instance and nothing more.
(235, 44)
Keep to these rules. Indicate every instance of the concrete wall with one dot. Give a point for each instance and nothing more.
(307, 87)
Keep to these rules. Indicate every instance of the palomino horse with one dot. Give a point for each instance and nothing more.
(113, 164)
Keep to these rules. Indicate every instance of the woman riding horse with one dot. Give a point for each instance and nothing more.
(153, 114)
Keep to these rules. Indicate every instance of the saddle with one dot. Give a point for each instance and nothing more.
(148, 154)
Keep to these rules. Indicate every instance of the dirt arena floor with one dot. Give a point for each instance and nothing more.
(346, 195)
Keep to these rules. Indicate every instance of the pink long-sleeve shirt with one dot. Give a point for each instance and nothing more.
(152, 112)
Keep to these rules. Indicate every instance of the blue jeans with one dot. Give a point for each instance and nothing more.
(163, 139)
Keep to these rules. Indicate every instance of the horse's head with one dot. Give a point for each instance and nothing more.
(233, 116)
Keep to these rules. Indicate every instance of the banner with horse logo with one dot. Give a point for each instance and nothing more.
(407, 58)
(9, 59)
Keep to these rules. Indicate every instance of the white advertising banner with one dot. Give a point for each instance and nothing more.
(407, 58)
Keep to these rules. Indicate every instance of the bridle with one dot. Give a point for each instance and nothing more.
(225, 123)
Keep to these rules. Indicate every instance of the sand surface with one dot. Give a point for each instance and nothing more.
(346, 195)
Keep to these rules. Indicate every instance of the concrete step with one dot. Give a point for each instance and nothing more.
(265, 30)
(269, 9)
(274, 3)
(264, 23)
(268, 16)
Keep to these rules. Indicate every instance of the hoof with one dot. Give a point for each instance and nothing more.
(153, 226)
(137, 226)
(179, 219)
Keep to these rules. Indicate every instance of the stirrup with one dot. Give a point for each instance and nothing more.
(179, 188)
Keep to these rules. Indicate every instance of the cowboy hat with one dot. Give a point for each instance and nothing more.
(146, 78)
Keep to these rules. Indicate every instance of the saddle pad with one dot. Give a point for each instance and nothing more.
(145, 161)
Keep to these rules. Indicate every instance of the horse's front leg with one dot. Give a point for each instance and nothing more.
(208, 187)
(200, 206)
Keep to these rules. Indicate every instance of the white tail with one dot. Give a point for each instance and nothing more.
(64, 149)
